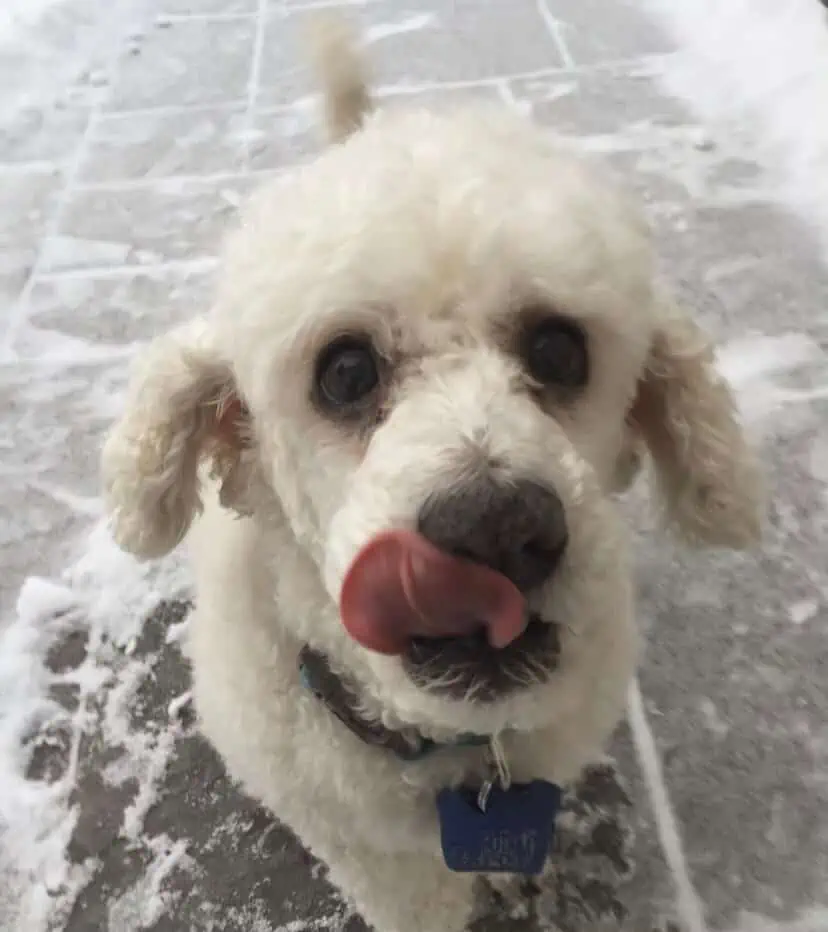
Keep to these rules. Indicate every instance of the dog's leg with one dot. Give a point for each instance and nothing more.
(403, 893)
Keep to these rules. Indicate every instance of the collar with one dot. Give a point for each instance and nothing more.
(343, 702)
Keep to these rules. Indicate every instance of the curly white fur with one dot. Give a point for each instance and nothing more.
(429, 232)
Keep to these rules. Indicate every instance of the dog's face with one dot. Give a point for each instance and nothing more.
(447, 329)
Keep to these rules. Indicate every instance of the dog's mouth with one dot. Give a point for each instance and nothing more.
(469, 668)
(459, 628)
(401, 587)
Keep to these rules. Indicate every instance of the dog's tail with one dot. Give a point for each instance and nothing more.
(336, 56)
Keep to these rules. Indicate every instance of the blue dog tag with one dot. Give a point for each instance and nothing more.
(512, 836)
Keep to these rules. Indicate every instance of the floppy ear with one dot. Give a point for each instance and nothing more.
(706, 475)
(182, 407)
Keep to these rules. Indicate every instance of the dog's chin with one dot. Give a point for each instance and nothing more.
(469, 669)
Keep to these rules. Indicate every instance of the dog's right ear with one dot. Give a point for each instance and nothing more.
(707, 475)
(182, 408)
(338, 61)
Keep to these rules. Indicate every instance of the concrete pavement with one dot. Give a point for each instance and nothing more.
(111, 207)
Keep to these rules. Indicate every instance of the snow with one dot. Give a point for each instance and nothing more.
(804, 611)
(756, 69)
(177, 707)
(118, 592)
(813, 920)
(33, 36)
(15, 16)
(143, 905)
(36, 815)
(409, 24)
(667, 824)
(755, 366)
(735, 68)
(66, 252)
(109, 594)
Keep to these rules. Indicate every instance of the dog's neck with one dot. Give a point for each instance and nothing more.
(342, 700)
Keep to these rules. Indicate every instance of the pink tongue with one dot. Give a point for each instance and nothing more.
(401, 587)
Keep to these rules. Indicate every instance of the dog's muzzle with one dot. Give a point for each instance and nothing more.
(450, 600)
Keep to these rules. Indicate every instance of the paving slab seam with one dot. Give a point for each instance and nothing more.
(174, 19)
(254, 81)
(384, 92)
(553, 27)
(176, 181)
(222, 106)
(173, 267)
(291, 7)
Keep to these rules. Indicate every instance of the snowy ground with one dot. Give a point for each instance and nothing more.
(121, 161)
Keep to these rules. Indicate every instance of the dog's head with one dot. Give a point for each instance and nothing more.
(427, 358)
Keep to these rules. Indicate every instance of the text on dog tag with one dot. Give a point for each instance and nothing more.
(513, 835)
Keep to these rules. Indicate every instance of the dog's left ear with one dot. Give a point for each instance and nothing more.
(707, 476)
(182, 410)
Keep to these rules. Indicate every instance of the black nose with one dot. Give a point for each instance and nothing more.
(517, 529)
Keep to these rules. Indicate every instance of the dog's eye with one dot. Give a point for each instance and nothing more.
(555, 352)
(347, 372)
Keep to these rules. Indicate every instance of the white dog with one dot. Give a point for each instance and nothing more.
(434, 352)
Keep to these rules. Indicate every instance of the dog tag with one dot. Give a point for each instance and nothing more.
(512, 835)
